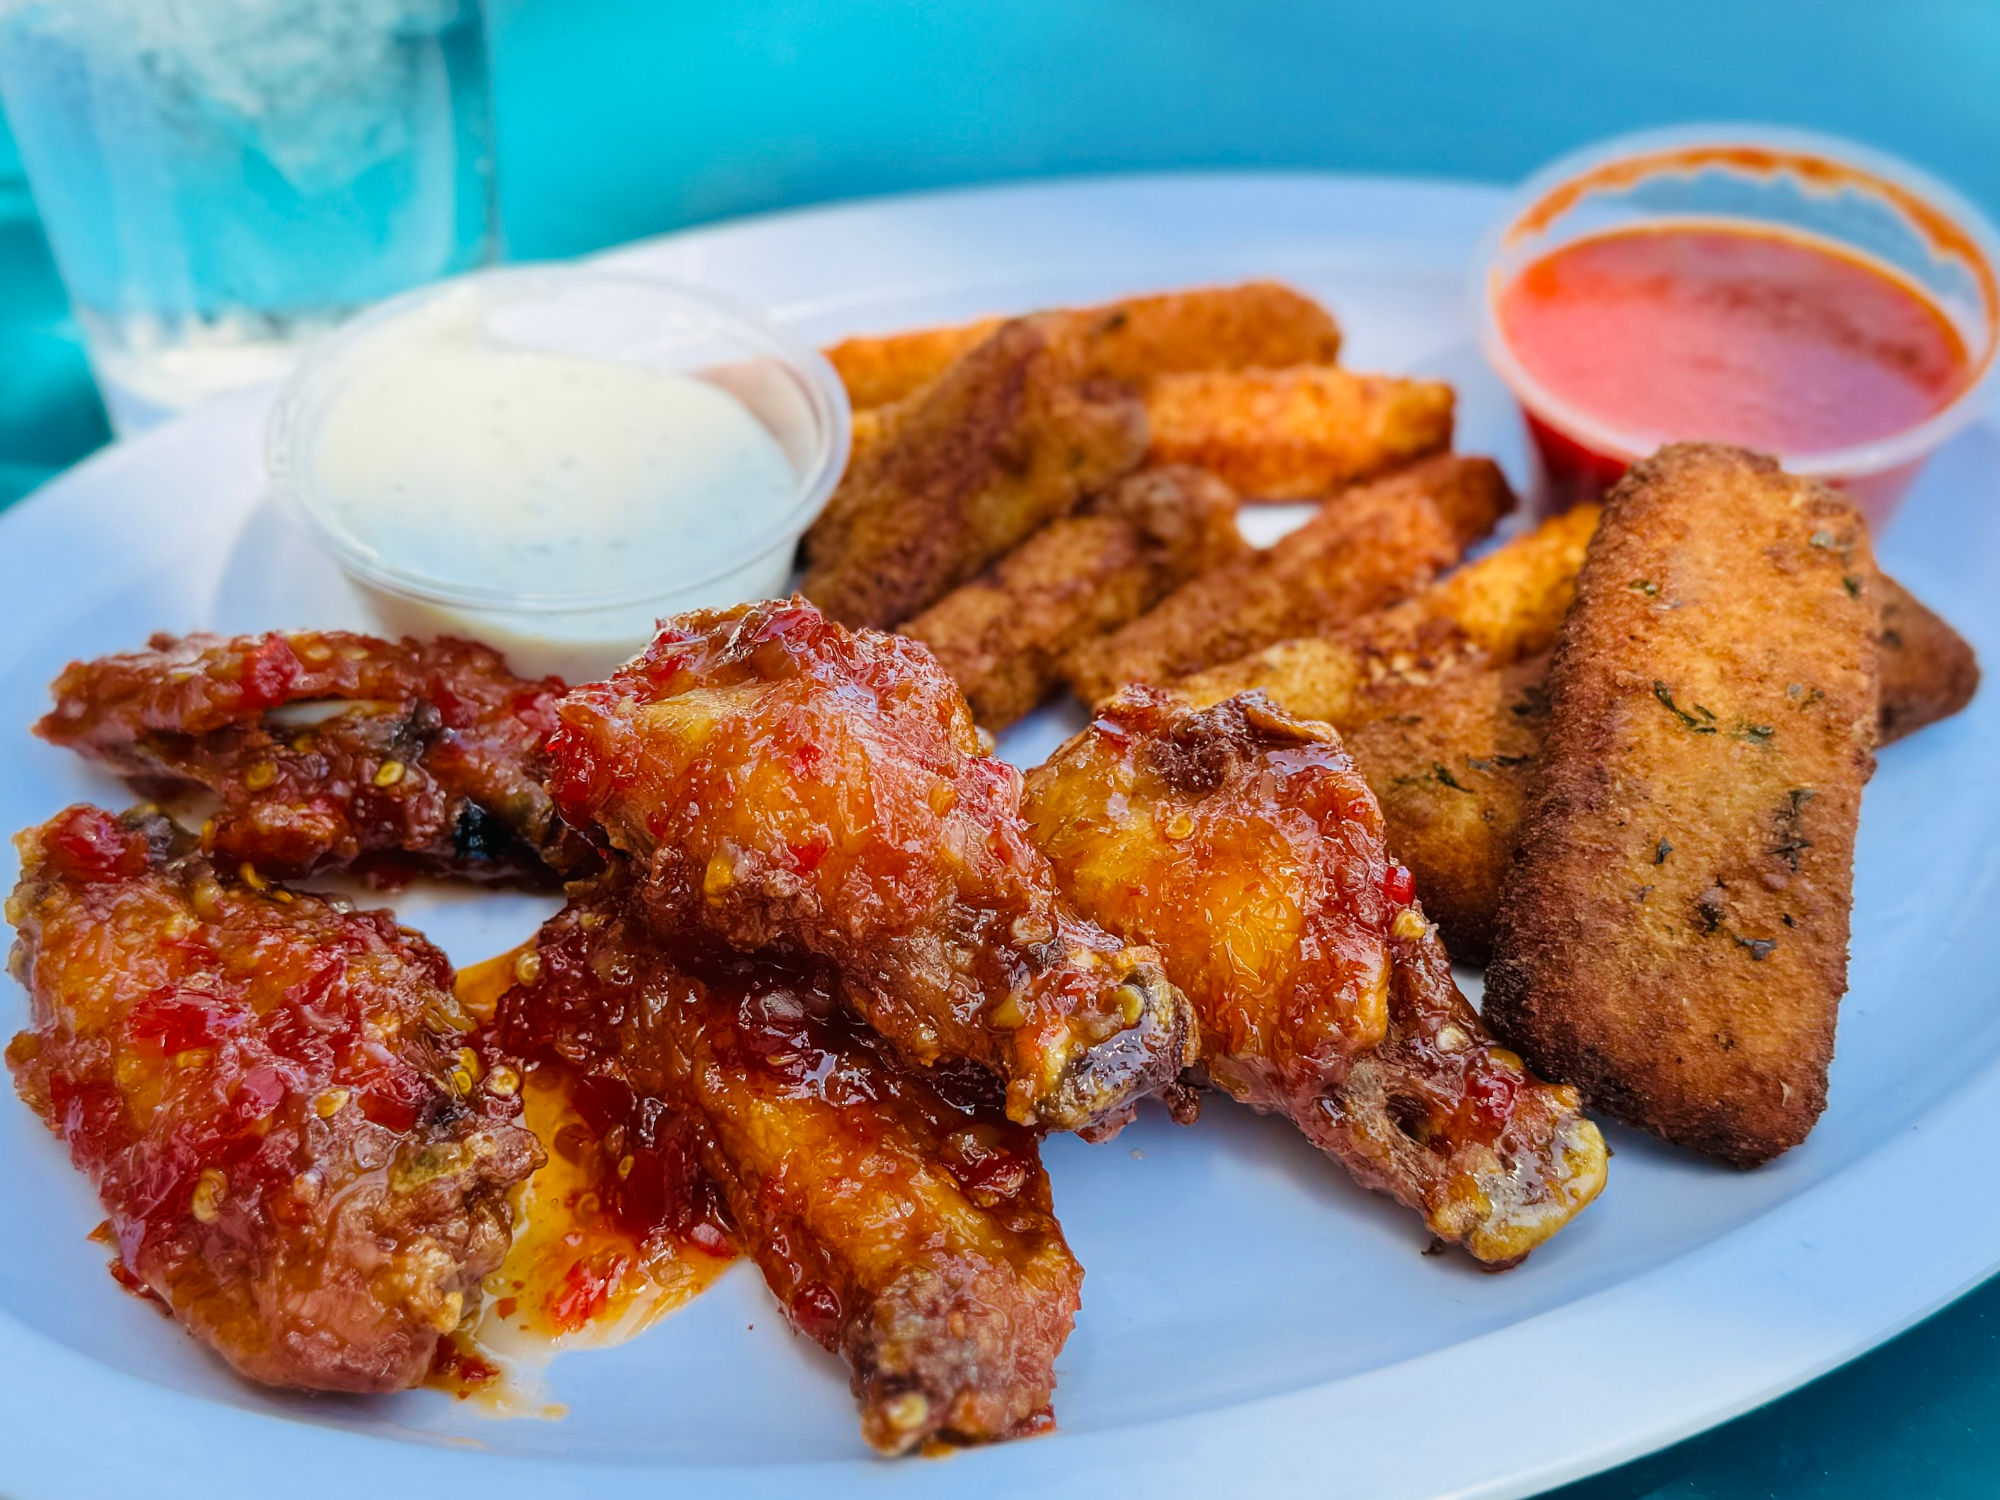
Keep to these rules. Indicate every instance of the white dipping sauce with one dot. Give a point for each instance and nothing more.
(475, 463)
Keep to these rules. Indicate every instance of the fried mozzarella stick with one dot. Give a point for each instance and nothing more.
(267, 1091)
(1295, 433)
(795, 787)
(1368, 546)
(910, 1233)
(1132, 341)
(1672, 937)
(1243, 845)
(1003, 636)
(1495, 610)
(423, 756)
(1012, 436)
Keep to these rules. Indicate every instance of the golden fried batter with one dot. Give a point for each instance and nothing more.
(1673, 935)
(1011, 437)
(1133, 340)
(1450, 760)
(1294, 433)
(903, 1228)
(1929, 671)
(793, 786)
(1003, 636)
(267, 1090)
(883, 368)
(1367, 546)
(1243, 845)
(1505, 605)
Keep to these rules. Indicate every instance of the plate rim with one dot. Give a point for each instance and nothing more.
(1759, 1336)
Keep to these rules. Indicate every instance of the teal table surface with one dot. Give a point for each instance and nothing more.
(620, 118)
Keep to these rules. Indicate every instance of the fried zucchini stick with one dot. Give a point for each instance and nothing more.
(900, 1228)
(1133, 341)
(1506, 605)
(1672, 937)
(1450, 761)
(1003, 636)
(1294, 433)
(1367, 546)
(1241, 843)
(1440, 700)
(1451, 758)
(1012, 437)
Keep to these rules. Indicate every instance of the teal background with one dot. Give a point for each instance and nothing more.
(619, 118)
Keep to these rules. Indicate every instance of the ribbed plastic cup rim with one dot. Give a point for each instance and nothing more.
(303, 398)
(1866, 164)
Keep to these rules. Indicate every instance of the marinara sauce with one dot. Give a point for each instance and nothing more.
(1741, 335)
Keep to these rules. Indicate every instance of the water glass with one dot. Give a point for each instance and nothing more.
(223, 179)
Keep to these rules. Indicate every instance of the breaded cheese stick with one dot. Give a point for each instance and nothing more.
(1009, 439)
(1672, 937)
(1003, 636)
(1132, 340)
(1367, 546)
(1508, 604)
(1294, 433)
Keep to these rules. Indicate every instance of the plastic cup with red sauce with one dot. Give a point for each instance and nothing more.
(1782, 291)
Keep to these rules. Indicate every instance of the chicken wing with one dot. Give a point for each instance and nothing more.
(1012, 436)
(1368, 546)
(330, 750)
(268, 1092)
(1003, 636)
(1132, 341)
(793, 786)
(1298, 432)
(900, 1226)
(1243, 845)
(1672, 936)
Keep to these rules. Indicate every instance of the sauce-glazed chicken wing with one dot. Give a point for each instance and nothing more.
(1243, 844)
(796, 787)
(330, 750)
(908, 1231)
(269, 1093)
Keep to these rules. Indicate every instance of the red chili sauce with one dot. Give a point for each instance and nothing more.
(1782, 344)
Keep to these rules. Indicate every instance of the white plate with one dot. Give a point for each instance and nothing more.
(1251, 1324)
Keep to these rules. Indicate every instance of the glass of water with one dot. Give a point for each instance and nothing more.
(223, 179)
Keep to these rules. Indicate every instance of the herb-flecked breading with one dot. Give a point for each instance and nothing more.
(1673, 936)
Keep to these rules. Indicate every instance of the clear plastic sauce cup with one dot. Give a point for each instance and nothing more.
(1865, 208)
(549, 459)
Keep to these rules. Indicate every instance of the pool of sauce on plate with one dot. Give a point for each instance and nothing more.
(1777, 342)
(605, 1244)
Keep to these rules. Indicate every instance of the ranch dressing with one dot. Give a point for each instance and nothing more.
(538, 476)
